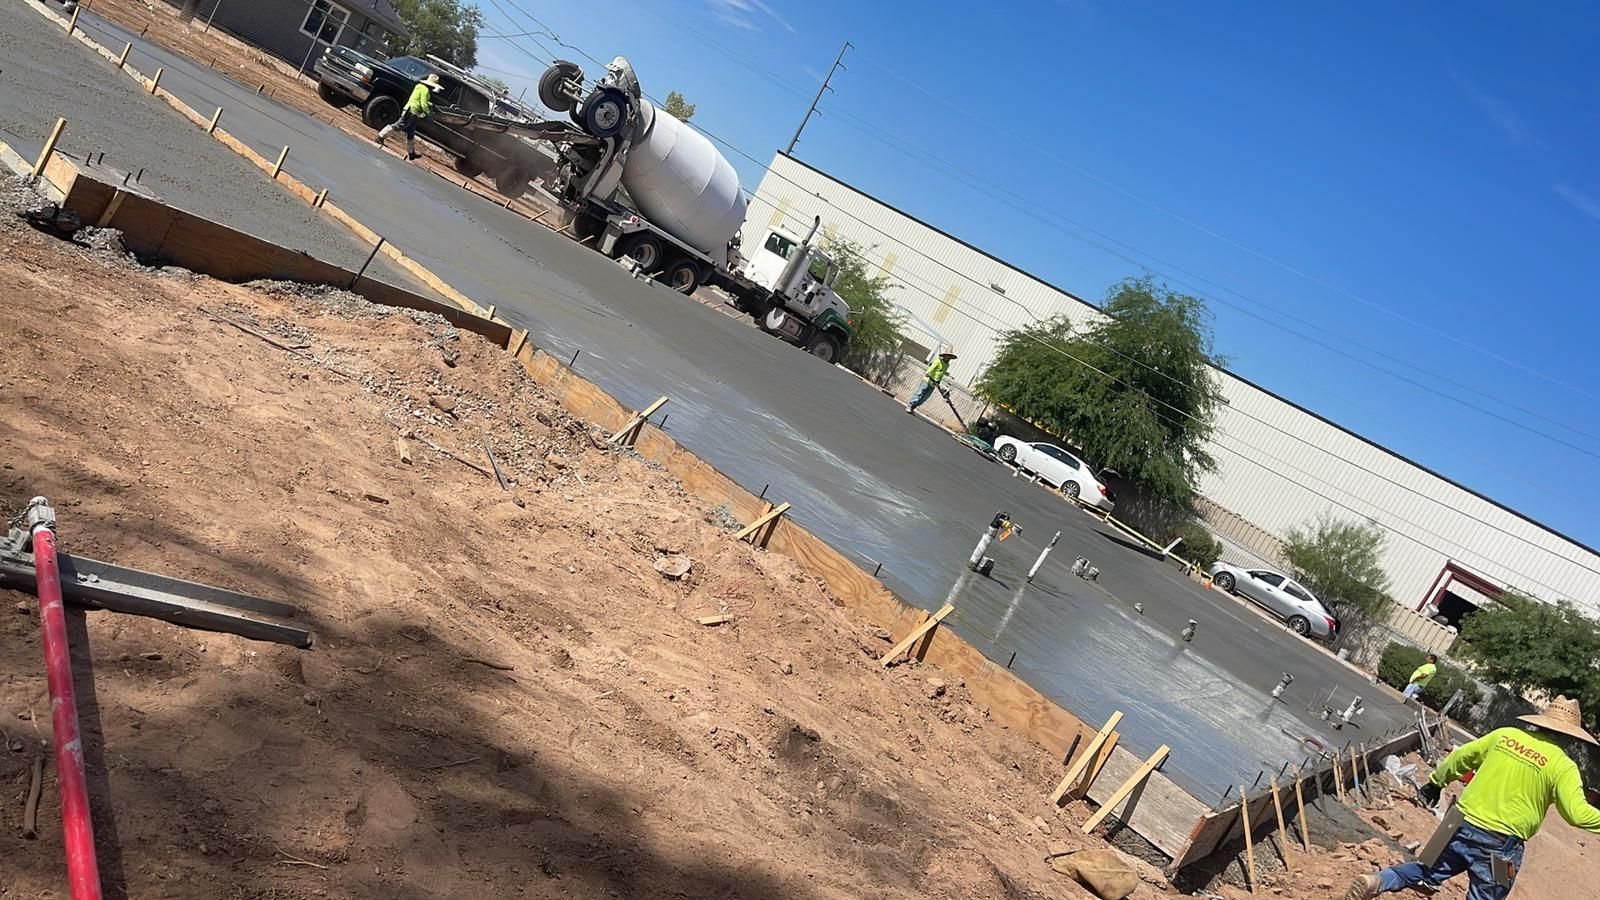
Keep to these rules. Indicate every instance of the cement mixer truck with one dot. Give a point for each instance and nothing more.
(632, 181)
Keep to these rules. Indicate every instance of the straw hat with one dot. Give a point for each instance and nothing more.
(1563, 717)
(432, 81)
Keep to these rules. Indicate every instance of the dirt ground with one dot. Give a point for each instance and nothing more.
(506, 698)
(280, 81)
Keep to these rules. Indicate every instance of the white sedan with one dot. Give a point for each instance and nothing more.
(1280, 595)
(1057, 468)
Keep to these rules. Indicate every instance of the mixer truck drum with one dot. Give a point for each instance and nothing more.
(553, 89)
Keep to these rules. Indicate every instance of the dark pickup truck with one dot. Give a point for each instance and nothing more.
(381, 88)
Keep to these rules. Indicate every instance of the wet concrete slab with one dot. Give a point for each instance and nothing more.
(880, 485)
(44, 74)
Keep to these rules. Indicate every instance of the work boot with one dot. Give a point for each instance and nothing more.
(1365, 887)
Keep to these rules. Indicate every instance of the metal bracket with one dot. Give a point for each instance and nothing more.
(102, 585)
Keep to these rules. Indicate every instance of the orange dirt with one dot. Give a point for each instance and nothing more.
(506, 698)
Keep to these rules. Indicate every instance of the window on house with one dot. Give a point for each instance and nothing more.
(324, 21)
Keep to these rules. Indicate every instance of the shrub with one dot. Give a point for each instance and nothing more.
(1400, 660)
(1198, 546)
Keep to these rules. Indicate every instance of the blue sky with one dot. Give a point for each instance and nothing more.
(1397, 181)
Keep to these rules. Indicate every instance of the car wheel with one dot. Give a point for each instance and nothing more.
(1223, 580)
(1301, 625)
(1008, 453)
(380, 111)
(1070, 488)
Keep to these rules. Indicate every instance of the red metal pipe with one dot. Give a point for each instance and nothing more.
(83, 872)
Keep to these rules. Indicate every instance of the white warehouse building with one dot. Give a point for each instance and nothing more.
(1279, 465)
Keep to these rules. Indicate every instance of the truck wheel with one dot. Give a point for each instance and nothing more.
(683, 276)
(466, 166)
(512, 182)
(645, 248)
(605, 113)
(332, 97)
(825, 347)
(550, 93)
(380, 111)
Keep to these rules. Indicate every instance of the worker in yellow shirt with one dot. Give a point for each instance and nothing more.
(1520, 772)
(418, 107)
(930, 379)
(1421, 676)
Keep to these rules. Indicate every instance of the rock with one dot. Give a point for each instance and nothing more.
(556, 461)
(673, 568)
(936, 688)
(521, 503)
(443, 403)
(1414, 846)
(1325, 883)
(883, 634)
(1381, 822)
(152, 656)
(1041, 825)
(22, 609)
(787, 667)
(1103, 871)
(376, 498)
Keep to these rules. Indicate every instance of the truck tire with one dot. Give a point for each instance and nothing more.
(466, 166)
(682, 276)
(550, 93)
(645, 248)
(605, 112)
(380, 110)
(512, 182)
(825, 346)
(332, 97)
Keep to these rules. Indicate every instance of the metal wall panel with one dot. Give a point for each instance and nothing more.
(1278, 466)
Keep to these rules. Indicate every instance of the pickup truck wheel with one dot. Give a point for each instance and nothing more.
(683, 276)
(332, 97)
(512, 182)
(824, 346)
(645, 248)
(380, 111)
(467, 167)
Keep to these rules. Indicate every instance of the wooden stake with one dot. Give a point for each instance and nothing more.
(156, 81)
(516, 345)
(1366, 768)
(1100, 761)
(1249, 848)
(1338, 778)
(1121, 793)
(49, 148)
(72, 23)
(770, 515)
(634, 424)
(927, 625)
(30, 806)
(123, 59)
(215, 118)
(278, 166)
(111, 209)
(1355, 777)
(1086, 755)
(714, 620)
(1300, 807)
(321, 199)
(1283, 831)
(490, 314)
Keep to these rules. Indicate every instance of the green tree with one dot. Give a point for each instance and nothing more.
(1532, 646)
(1133, 390)
(875, 319)
(1342, 562)
(443, 28)
(499, 87)
(677, 107)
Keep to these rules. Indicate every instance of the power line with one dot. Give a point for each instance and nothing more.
(1168, 418)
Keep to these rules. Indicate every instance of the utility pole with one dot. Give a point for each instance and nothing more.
(837, 65)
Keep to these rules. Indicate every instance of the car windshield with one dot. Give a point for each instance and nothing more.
(410, 66)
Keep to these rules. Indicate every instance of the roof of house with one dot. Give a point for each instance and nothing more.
(381, 11)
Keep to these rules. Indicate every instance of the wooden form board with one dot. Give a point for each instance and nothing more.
(1128, 789)
(1217, 828)
(1161, 812)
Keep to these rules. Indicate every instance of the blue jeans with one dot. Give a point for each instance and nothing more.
(921, 394)
(1467, 852)
(1411, 691)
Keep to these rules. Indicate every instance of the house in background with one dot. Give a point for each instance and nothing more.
(297, 30)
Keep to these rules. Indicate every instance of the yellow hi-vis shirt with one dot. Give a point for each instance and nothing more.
(1424, 674)
(421, 103)
(937, 368)
(1519, 774)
